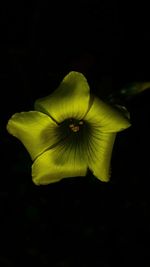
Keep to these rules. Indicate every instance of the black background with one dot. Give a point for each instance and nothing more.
(78, 221)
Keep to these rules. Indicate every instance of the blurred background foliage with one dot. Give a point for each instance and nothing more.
(78, 221)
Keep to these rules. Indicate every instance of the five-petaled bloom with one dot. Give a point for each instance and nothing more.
(68, 132)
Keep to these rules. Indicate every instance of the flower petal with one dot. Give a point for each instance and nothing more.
(34, 129)
(106, 117)
(56, 164)
(69, 100)
(99, 153)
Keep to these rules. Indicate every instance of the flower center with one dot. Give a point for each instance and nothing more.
(73, 131)
(74, 136)
(75, 125)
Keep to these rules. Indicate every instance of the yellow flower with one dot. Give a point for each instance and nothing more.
(68, 132)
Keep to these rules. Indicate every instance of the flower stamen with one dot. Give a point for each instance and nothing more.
(75, 126)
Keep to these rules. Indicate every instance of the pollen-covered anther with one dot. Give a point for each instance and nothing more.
(75, 127)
